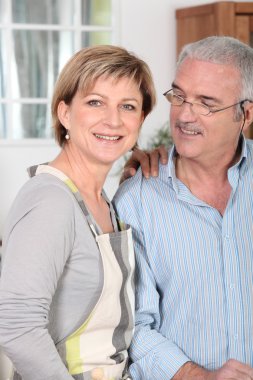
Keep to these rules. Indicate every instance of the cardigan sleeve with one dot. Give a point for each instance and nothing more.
(37, 243)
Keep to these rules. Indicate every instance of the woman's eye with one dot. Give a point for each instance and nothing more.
(128, 107)
(94, 103)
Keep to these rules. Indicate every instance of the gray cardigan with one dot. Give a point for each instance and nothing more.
(51, 277)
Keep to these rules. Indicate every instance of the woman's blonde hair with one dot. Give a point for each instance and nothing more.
(87, 65)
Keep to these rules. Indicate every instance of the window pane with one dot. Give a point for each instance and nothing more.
(32, 56)
(43, 12)
(38, 57)
(31, 121)
(1, 11)
(95, 38)
(3, 73)
(96, 12)
(3, 123)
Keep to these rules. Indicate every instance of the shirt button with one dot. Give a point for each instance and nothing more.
(232, 286)
(235, 336)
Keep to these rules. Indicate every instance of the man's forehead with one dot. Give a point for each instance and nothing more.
(207, 75)
(204, 67)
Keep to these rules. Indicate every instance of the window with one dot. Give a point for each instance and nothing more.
(37, 37)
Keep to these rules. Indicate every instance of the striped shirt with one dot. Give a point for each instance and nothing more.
(194, 271)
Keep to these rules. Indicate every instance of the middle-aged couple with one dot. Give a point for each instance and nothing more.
(66, 288)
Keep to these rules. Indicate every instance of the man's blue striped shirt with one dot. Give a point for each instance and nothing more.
(194, 296)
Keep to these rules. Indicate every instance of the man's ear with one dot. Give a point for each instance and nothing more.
(63, 114)
(248, 114)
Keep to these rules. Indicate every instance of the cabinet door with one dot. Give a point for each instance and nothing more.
(224, 18)
(195, 23)
(244, 22)
(244, 32)
(242, 28)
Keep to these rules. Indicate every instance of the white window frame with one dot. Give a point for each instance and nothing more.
(78, 28)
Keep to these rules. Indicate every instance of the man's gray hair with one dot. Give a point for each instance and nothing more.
(228, 51)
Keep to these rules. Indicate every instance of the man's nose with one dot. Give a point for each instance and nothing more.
(186, 112)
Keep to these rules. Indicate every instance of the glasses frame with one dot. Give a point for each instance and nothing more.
(241, 102)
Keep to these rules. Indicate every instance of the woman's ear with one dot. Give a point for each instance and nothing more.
(142, 120)
(63, 114)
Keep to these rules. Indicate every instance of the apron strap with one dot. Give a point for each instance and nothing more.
(45, 168)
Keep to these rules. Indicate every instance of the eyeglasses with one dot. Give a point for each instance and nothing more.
(197, 108)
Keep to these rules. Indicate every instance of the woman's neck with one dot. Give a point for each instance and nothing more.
(88, 177)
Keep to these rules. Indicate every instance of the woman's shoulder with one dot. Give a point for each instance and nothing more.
(45, 185)
(43, 194)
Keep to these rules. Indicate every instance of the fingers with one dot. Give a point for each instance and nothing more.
(138, 158)
(127, 173)
(143, 159)
(149, 162)
(234, 369)
(155, 155)
(244, 370)
(163, 153)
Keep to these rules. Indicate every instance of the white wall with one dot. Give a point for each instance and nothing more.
(14, 159)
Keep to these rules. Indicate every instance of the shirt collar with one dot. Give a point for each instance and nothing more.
(172, 168)
(241, 163)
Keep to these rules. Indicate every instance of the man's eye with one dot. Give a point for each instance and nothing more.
(178, 97)
(94, 103)
(209, 105)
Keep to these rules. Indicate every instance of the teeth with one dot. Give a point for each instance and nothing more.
(110, 138)
(189, 132)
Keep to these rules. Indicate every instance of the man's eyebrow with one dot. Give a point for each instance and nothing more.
(174, 85)
(206, 97)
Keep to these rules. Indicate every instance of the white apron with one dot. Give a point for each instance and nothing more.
(97, 350)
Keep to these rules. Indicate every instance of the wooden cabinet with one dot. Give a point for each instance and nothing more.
(227, 18)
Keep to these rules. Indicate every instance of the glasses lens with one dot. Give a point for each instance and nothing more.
(175, 100)
(200, 109)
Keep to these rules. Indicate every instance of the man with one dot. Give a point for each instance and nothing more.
(193, 225)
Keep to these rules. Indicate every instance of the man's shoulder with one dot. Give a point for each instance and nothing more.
(249, 144)
(130, 186)
(137, 185)
(249, 148)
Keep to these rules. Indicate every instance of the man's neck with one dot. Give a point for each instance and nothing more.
(209, 184)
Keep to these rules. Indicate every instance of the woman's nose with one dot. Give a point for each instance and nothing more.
(112, 117)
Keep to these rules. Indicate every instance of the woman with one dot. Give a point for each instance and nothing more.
(66, 297)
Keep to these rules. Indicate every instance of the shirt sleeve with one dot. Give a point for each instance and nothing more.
(154, 356)
(37, 244)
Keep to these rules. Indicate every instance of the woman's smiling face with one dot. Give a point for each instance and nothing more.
(104, 123)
